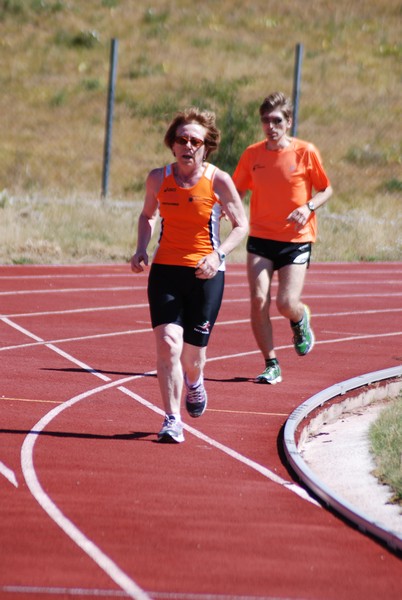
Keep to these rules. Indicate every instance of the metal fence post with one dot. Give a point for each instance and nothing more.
(296, 88)
(109, 117)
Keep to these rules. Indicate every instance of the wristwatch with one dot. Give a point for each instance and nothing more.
(311, 205)
(221, 255)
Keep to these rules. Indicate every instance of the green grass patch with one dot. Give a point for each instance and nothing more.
(369, 155)
(25, 7)
(394, 185)
(386, 443)
(54, 68)
(23, 260)
(81, 39)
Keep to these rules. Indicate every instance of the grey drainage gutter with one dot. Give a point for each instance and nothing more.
(364, 523)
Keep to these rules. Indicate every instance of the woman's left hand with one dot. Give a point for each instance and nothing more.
(208, 266)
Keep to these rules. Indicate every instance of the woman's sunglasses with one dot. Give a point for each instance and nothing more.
(183, 140)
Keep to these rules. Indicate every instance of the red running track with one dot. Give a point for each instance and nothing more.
(92, 506)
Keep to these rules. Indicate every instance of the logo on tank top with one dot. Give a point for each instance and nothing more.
(170, 189)
(196, 199)
(257, 166)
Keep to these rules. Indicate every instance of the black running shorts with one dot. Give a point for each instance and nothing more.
(280, 253)
(176, 295)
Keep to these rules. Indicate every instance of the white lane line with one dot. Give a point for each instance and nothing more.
(359, 295)
(72, 311)
(56, 349)
(70, 592)
(103, 593)
(353, 283)
(317, 343)
(350, 313)
(49, 313)
(68, 276)
(77, 339)
(8, 474)
(292, 487)
(89, 547)
(71, 530)
(151, 406)
(234, 269)
(132, 288)
(129, 288)
(41, 342)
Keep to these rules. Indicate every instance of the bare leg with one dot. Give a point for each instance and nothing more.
(260, 272)
(193, 359)
(291, 281)
(169, 346)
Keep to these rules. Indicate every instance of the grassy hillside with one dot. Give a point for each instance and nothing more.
(225, 56)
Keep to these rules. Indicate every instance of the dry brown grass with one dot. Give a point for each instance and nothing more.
(54, 61)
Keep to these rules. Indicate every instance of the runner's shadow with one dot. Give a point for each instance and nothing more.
(140, 374)
(134, 435)
(231, 380)
(102, 371)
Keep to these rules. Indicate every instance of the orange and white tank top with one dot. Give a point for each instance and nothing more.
(189, 220)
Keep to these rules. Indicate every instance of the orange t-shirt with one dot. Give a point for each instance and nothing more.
(189, 220)
(280, 181)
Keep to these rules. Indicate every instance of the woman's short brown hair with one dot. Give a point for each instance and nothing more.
(204, 118)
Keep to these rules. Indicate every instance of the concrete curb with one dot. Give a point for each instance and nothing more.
(312, 412)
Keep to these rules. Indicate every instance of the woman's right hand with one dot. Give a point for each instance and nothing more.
(138, 260)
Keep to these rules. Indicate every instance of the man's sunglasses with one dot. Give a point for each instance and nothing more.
(183, 140)
(271, 120)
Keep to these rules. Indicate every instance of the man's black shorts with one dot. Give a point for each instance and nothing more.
(176, 295)
(280, 253)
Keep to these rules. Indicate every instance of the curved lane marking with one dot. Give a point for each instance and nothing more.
(252, 464)
(88, 546)
(79, 538)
